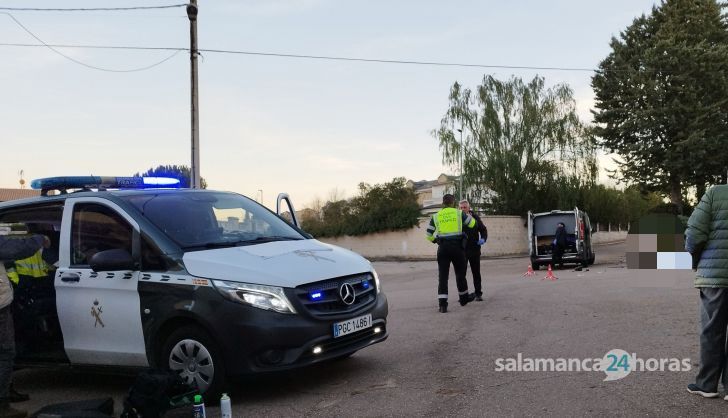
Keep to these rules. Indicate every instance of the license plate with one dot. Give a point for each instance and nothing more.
(352, 325)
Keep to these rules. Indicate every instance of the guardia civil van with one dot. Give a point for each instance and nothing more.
(206, 283)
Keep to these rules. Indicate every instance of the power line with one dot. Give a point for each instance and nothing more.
(306, 56)
(112, 70)
(387, 61)
(123, 47)
(92, 9)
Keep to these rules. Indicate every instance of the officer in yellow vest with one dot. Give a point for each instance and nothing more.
(34, 266)
(446, 230)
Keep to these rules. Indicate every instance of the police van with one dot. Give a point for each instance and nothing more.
(208, 284)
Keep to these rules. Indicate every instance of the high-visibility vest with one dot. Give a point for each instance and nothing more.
(449, 222)
(33, 266)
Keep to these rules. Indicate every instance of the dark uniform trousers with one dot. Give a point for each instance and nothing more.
(713, 348)
(451, 251)
(473, 257)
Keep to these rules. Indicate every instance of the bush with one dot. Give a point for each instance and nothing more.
(383, 207)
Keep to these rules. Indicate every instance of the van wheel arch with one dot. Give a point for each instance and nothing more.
(161, 336)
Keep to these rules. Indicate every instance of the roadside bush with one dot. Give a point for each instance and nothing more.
(383, 207)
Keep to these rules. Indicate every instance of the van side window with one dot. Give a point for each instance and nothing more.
(97, 228)
(42, 219)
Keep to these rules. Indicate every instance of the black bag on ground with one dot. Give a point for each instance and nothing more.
(95, 408)
(156, 391)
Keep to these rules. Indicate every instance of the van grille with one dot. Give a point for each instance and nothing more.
(323, 299)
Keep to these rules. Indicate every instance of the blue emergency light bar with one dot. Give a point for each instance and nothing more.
(103, 182)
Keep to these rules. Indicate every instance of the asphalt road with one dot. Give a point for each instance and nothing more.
(445, 364)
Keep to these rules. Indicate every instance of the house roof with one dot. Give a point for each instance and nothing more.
(424, 184)
(428, 184)
(12, 194)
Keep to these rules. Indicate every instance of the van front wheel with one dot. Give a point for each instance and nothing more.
(193, 354)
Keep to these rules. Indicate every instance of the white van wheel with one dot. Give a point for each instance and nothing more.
(192, 354)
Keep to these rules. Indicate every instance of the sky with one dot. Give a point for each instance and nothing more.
(270, 124)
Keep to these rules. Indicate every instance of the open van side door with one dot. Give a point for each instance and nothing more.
(579, 231)
(99, 312)
(284, 197)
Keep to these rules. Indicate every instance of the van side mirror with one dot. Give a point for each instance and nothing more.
(112, 260)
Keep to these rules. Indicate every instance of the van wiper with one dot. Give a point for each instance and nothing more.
(215, 244)
(227, 244)
(269, 238)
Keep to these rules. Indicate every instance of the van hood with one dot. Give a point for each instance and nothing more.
(277, 263)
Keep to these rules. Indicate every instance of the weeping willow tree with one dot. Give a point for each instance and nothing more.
(524, 147)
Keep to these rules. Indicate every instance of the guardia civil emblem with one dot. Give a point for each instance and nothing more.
(96, 311)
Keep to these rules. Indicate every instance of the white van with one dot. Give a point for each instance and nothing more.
(208, 284)
(541, 232)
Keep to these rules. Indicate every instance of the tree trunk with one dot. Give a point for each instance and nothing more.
(676, 195)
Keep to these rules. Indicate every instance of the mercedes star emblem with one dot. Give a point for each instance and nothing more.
(346, 291)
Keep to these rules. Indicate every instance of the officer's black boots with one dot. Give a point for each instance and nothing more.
(465, 299)
(443, 306)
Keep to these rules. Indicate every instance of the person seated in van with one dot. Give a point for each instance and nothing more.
(559, 246)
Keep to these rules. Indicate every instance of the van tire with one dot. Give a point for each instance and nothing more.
(535, 266)
(192, 346)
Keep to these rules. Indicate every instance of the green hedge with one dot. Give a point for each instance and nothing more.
(383, 207)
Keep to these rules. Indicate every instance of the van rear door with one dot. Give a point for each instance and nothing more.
(578, 230)
(531, 238)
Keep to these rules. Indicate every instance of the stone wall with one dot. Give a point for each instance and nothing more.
(507, 235)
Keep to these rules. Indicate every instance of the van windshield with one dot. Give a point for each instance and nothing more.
(202, 220)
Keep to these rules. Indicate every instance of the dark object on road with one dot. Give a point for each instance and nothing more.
(94, 408)
(155, 392)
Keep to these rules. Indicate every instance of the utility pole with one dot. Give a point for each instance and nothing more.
(195, 108)
(462, 151)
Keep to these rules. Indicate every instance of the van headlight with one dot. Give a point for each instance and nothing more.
(376, 280)
(271, 298)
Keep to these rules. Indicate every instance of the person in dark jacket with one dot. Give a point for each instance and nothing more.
(559, 245)
(476, 237)
(706, 239)
(11, 249)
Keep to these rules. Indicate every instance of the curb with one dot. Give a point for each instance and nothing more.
(484, 257)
